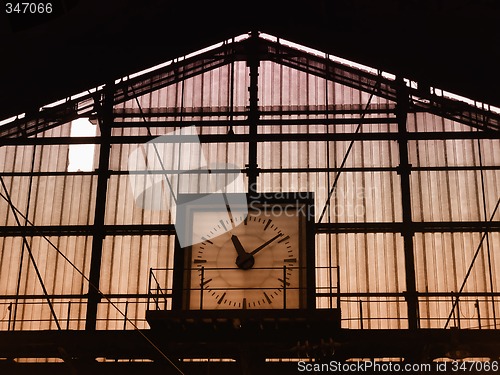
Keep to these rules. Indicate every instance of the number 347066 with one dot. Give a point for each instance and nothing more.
(28, 8)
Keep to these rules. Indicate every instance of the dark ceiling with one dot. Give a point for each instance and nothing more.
(452, 44)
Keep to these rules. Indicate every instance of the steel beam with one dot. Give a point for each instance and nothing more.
(407, 229)
(241, 111)
(89, 230)
(253, 120)
(261, 122)
(321, 228)
(132, 296)
(261, 137)
(416, 227)
(261, 170)
(98, 234)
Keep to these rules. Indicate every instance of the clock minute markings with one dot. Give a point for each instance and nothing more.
(283, 282)
(267, 224)
(267, 298)
(224, 225)
(207, 240)
(205, 282)
(221, 298)
(284, 239)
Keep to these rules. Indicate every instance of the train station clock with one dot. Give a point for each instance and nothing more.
(259, 257)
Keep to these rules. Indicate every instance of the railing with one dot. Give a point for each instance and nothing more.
(471, 311)
(33, 313)
(366, 310)
(283, 290)
(437, 310)
(369, 310)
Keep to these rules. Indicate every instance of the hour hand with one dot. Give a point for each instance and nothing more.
(238, 246)
(244, 260)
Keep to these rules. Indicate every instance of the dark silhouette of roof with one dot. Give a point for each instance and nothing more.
(452, 44)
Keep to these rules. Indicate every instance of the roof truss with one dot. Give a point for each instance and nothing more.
(381, 85)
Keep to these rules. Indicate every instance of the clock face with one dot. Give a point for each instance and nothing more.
(247, 262)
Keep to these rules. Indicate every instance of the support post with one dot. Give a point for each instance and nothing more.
(361, 314)
(476, 305)
(149, 287)
(68, 318)
(125, 316)
(202, 282)
(338, 287)
(105, 113)
(284, 287)
(404, 171)
(253, 63)
(10, 316)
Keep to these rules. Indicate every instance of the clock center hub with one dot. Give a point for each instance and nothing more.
(245, 262)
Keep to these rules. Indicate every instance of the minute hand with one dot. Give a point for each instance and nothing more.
(265, 244)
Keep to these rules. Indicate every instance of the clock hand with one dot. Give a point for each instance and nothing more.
(238, 246)
(265, 244)
(244, 260)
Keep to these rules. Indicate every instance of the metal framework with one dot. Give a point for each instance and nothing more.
(412, 344)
